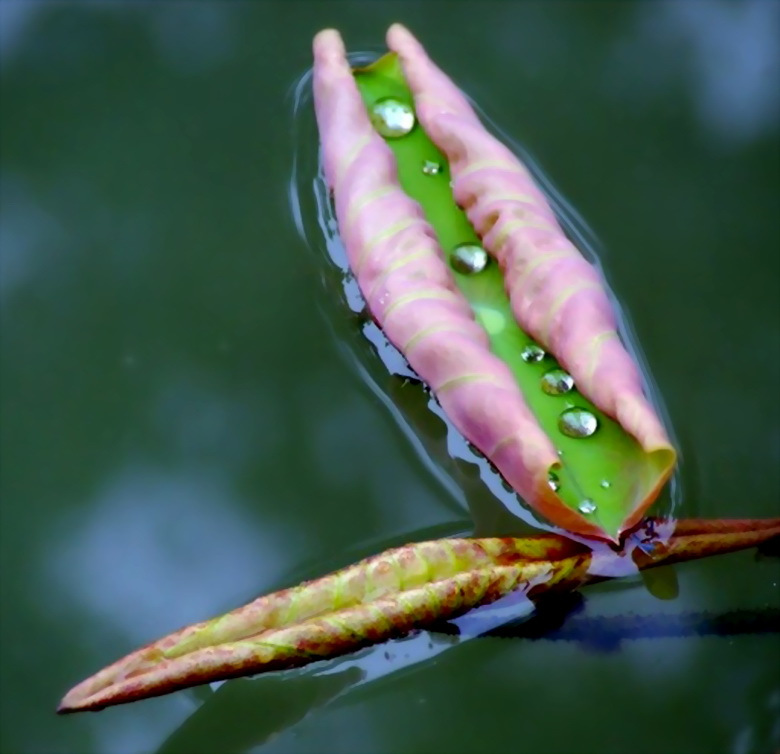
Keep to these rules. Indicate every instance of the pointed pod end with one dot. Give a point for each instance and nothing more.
(328, 45)
(78, 699)
(65, 709)
(401, 40)
(82, 698)
(69, 703)
(399, 35)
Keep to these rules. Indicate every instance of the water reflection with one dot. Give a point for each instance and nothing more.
(244, 714)
(200, 423)
(657, 651)
(731, 56)
(155, 548)
(287, 698)
(30, 236)
(194, 37)
(15, 20)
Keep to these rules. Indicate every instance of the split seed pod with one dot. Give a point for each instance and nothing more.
(464, 266)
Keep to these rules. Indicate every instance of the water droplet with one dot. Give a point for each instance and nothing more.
(469, 258)
(532, 354)
(431, 168)
(587, 506)
(392, 118)
(606, 484)
(553, 481)
(557, 382)
(577, 422)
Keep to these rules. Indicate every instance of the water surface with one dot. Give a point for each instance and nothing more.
(183, 426)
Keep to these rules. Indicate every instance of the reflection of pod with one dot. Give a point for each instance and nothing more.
(589, 452)
(388, 595)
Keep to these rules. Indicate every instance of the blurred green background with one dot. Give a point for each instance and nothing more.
(181, 428)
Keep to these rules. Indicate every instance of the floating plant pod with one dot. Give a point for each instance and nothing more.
(493, 306)
(387, 596)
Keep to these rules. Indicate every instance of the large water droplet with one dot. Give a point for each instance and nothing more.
(392, 118)
(469, 258)
(431, 168)
(532, 354)
(577, 422)
(553, 481)
(557, 382)
(587, 506)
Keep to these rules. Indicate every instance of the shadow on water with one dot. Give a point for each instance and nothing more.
(247, 713)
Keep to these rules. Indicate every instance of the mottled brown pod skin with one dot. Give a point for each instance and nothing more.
(387, 596)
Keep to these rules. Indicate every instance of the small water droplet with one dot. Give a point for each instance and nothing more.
(469, 258)
(431, 168)
(557, 382)
(560, 452)
(532, 354)
(587, 506)
(553, 481)
(392, 118)
(606, 484)
(577, 422)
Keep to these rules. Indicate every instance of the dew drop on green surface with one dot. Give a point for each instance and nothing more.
(606, 484)
(577, 422)
(557, 382)
(431, 168)
(553, 481)
(469, 259)
(532, 354)
(392, 118)
(587, 506)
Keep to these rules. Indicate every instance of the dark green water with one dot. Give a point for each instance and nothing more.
(183, 428)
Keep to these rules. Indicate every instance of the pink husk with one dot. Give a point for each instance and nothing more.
(557, 296)
(408, 287)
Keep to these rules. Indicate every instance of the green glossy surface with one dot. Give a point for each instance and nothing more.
(181, 431)
(609, 454)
